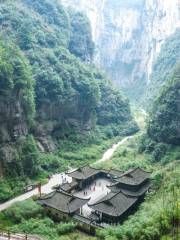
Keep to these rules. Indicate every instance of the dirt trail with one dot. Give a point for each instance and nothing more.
(109, 153)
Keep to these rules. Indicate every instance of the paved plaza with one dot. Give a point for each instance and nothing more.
(97, 190)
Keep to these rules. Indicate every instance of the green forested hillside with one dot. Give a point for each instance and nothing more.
(164, 123)
(163, 126)
(48, 78)
(163, 67)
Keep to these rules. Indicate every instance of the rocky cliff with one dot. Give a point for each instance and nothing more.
(129, 36)
(52, 92)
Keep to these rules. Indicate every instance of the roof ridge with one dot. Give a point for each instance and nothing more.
(63, 192)
(104, 200)
(48, 195)
(140, 169)
(128, 172)
(125, 194)
(117, 170)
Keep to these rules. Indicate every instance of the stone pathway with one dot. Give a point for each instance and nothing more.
(47, 188)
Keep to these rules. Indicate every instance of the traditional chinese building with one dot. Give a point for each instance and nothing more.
(126, 194)
(134, 182)
(62, 205)
(127, 190)
(68, 187)
(114, 207)
(86, 175)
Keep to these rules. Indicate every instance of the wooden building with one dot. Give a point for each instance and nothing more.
(85, 175)
(126, 194)
(62, 205)
(114, 207)
(135, 182)
(68, 187)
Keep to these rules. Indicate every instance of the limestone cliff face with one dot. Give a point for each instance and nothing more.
(129, 35)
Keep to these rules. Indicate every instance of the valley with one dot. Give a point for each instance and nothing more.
(90, 89)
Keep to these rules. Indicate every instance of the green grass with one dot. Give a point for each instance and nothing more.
(81, 155)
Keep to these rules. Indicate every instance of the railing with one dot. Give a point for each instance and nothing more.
(8, 235)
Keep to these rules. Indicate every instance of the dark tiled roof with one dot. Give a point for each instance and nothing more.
(83, 219)
(87, 171)
(115, 173)
(68, 186)
(137, 193)
(63, 202)
(83, 172)
(65, 187)
(134, 176)
(114, 204)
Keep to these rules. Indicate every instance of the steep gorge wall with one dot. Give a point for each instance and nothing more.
(129, 36)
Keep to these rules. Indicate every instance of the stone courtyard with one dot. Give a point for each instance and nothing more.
(95, 191)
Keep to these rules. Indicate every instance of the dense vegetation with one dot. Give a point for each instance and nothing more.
(163, 124)
(163, 67)
(52, 97)
(17, 109)
(68, 92)
(16, 81)
(81, 44)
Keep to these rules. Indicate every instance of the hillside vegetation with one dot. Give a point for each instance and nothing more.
(163, 67)
(53, 99)
(164, 122)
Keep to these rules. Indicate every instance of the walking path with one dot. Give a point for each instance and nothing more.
(18, 237)
(47, 188)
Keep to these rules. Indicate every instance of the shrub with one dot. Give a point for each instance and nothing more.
(23, 210)
(44, 227)
(159, 151)
(65, 228)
